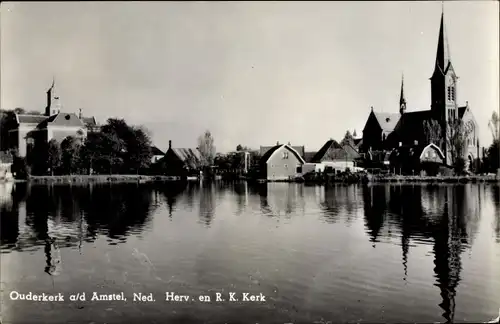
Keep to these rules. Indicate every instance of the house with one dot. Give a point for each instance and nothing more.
(27, 130)
(281, 162)
(299, 149)
(156, 154)
(334, 156)
(180, 161)
(416, 159)
(388, 131)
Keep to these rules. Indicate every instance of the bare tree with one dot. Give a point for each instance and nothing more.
(433, 132)
(348, 139)
(494, 125)
(456, 137)
(206, 148)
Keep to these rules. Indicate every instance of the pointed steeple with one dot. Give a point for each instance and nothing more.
(53, 104)
(443, 58)
(402, 100)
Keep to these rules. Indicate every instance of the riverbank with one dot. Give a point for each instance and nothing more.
(437, 179)
(118, 178)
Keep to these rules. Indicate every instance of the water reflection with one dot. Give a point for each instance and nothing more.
(207, 203)
(444, 218)
(448, 215)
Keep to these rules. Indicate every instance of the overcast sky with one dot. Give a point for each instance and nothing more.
(253, 73)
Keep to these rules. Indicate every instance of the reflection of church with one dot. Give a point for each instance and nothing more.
(448, 228)
(385, 132)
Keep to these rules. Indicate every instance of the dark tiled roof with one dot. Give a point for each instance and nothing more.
(358, 141)
(156, 151)
(321, 153)
(269, 152)
(308, 156)
(30, 119)
(387, 121)
(352, 153)
(411, 127)
(191, 157)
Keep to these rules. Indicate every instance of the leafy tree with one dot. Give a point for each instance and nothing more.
(7, 122)
(132, 144)
(206, 148)
(54, 155)
(102, 152)
(70, 151)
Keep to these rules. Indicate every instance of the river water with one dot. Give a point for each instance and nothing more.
(376, 253)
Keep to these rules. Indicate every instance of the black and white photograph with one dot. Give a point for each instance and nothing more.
(249, 162)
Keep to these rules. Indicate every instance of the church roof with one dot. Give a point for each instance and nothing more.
(30, 119)
(387, 121)
(410, 126)
(60, 119)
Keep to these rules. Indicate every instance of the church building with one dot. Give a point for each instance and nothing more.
(29, 129)
(388, 131)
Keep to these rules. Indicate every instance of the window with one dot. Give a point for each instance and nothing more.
(449, 93)
(453, 93)
(299, 169)
(286, 166)
(285, 155)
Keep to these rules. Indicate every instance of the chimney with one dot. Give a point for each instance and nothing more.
(289, 143)
(169, 144)
(278, 143)
(80, 114)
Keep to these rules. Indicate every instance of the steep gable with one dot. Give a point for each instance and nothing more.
(330, 144)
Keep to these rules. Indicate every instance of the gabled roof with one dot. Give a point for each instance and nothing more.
(358, 142)
(156, 151)
(269, 152)
(300, 149)
(321, 153)
(191, 157)
(30, 119)
(387, 121)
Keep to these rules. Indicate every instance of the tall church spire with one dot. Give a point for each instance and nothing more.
(443, 58)
(402, 100)
(53, 104)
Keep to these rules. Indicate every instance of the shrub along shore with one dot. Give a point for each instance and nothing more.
(132, 178)
(116, 178)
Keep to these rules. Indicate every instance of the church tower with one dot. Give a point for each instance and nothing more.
(53, 102)
(444, 81)
(402, 100)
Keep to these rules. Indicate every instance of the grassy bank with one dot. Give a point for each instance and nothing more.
(118, 178)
